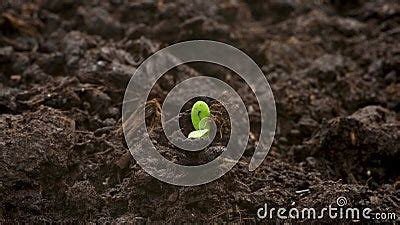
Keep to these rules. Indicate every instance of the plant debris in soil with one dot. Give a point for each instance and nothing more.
(333, 67)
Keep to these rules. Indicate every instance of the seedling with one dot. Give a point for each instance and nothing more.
(200, 114)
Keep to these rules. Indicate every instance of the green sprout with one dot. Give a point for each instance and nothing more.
(200, 114)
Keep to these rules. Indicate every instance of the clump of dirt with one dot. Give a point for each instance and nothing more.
(333, 67)
(360, 148)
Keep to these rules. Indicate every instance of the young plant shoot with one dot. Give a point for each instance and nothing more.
(200, 114)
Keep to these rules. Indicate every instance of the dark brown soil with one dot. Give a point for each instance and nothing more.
(64, 65)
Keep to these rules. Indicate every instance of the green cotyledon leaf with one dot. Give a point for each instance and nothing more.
(198, 133)
(199, 111)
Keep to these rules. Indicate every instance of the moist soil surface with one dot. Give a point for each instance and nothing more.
(333, 67)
